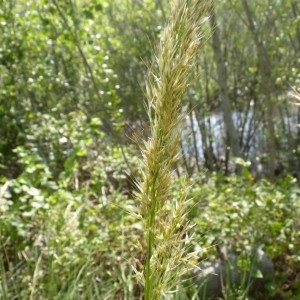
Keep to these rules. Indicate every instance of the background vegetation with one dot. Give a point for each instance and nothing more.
(72, 77)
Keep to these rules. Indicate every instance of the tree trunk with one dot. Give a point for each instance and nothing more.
(266, 85)
(295, 13)
(232, 139)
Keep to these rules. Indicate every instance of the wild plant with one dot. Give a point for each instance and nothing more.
(164, 218)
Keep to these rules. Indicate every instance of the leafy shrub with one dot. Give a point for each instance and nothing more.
(241, 213)
(65, 227)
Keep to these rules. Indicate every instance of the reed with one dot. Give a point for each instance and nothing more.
(164, 218)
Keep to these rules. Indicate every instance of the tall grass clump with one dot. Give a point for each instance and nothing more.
(164, 218)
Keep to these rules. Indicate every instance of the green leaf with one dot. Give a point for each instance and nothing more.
(258, 274)
(88, 14)
(98, 7)
(81, 152)
(252, 70)
(70, 164)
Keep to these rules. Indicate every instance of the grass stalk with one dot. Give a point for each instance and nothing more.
(164, 218)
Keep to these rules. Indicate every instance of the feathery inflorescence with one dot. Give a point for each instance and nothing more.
(164, 218)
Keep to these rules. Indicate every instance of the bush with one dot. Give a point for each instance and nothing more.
(65, 227)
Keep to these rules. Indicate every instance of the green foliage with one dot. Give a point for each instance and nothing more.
(63, 225)
(237, 210)
(241, 213)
